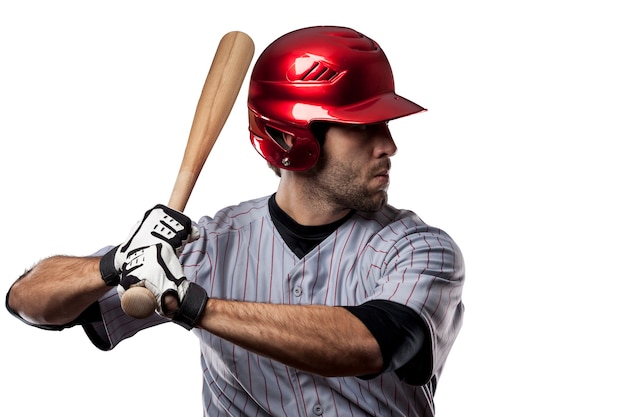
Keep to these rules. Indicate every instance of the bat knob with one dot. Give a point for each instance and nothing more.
(138, 302)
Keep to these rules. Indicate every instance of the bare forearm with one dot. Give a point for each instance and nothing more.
(57, 289)
(320, 339)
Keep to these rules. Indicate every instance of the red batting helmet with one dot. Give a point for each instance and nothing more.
(321, 73)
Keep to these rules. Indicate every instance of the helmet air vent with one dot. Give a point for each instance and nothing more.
(319, 72)
(311, 69)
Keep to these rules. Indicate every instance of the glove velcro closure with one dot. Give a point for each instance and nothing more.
(192, 306)
(110, 275)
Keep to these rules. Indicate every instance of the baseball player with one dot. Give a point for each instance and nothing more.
(319, 300)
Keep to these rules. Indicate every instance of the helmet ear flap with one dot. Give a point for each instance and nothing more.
(302, 155)
(270, 143)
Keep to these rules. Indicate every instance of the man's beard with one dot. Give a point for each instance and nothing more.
(340, 184)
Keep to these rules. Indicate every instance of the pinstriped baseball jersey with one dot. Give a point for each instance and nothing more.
(387, 255)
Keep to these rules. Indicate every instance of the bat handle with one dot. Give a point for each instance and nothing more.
(138, 302)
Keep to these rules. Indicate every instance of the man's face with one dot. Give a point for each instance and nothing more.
(353, 170)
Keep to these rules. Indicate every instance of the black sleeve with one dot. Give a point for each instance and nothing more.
(403, 337)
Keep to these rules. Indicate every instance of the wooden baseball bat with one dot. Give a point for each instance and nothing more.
(221, 88)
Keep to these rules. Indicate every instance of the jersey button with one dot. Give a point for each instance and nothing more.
(297, 291)
(318, 410)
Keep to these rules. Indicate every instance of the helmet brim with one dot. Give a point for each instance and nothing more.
(375, 110)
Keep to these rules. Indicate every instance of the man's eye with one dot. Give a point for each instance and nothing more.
(372, 127)
(361, 128)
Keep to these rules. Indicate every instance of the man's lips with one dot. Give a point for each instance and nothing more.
(380, 173)
(382, 178)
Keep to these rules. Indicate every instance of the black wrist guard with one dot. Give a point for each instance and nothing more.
(109, 274)
(192, 306)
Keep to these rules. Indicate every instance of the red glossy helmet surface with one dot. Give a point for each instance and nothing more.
(322, 73)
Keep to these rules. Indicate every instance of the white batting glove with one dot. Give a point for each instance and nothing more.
(157, 268)
(160, 224)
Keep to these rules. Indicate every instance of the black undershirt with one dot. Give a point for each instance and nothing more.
(301, 239)
(401, 333)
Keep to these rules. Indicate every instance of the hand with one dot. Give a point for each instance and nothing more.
(160, 224)
(157, 268)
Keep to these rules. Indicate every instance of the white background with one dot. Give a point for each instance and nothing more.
(517, 158)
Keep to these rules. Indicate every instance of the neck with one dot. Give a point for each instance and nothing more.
(303, 207)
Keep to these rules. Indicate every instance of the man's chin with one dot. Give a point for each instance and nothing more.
(375, 203)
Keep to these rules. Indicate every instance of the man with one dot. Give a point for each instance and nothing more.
(321, 299)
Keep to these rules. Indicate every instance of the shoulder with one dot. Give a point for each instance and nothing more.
(401, 222)
(393, 223)
(236, 216)
(400, 232)
(230, 224)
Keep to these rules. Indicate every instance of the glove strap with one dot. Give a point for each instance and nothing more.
(192, 306)
(110, 275)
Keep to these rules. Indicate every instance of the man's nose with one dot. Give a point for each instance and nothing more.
(385, 145)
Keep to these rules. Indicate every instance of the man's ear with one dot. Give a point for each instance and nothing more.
(283, 139)
(288, 140)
